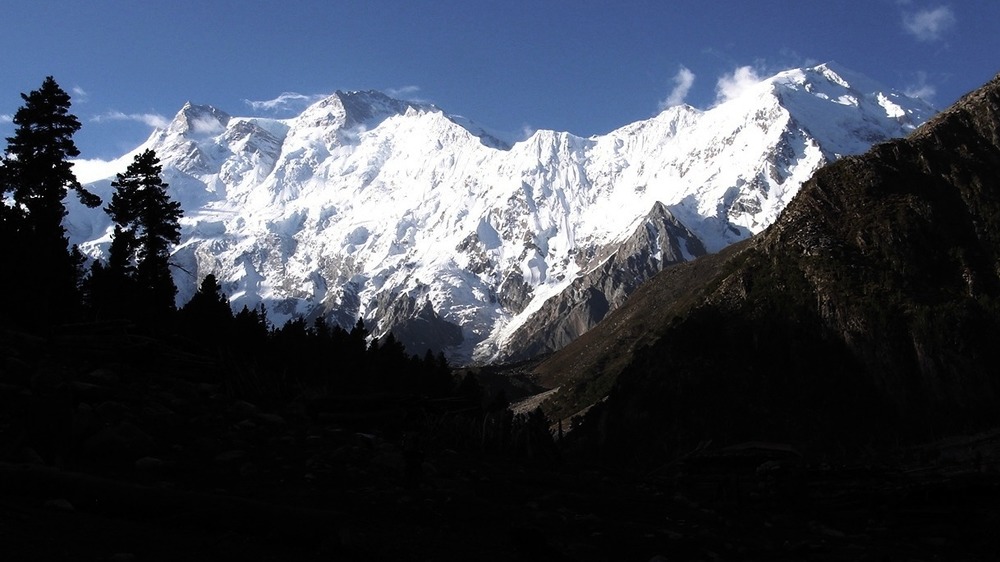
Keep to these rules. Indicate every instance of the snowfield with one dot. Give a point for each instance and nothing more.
(367, 206)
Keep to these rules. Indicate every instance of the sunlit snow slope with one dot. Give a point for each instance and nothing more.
(424, 224)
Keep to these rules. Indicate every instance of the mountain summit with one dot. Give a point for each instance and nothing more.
(425, 225)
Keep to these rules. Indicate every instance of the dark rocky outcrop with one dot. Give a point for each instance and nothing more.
(659, 241)
(867, 314)
(416, 325)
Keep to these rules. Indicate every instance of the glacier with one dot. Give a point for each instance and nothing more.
(426, 225)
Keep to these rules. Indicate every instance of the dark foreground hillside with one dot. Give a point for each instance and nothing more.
(868, 316)
(123, 447)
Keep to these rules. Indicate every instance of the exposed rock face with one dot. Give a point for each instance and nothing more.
(659, 241)
(420, 328)
(866, 314)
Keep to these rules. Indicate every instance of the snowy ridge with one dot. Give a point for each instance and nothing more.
(367, 206)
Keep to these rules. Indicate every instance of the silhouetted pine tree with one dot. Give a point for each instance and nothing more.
(436, 374)
(36, 173)
(250, 330)
(208, 318)
(291, 349)
(359, 334)
(107, 293)
(146, 225)
(321, 329)
(390, 366)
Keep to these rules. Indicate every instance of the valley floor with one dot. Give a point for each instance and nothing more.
(175, 469)
(496, 511)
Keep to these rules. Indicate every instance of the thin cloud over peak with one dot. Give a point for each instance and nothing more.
(921, 89)
(929, 25)
(150, 119)
(731, 86)
(285, 102)
(206, 126)
(405, 92)
(683, 81)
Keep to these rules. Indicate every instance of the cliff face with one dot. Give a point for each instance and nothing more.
(868, 312)
(612, 274)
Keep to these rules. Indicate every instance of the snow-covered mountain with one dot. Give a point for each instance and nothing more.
(426, 225)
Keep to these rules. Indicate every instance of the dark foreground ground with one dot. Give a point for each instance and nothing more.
(112, 462)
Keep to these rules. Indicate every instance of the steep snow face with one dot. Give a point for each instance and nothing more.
(367, 206)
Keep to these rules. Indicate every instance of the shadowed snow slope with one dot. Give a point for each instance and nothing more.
(424, 224)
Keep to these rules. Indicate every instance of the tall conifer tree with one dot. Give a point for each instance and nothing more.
(37, 174)
(146, 225)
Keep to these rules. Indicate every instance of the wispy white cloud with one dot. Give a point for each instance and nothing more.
(730, 86)
(514, 136)
(406, 92)
(4, 118)
(206, 126)
(929, 25)
(150, 119)
(683, 81)
(79, 94)
(285, 102)
(921, 88)
(790, 58)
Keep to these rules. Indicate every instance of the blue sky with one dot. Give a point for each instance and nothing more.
(514, 66)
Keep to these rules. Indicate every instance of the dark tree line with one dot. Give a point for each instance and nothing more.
(271, 363)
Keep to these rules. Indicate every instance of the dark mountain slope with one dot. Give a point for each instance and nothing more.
(656, 244)
(868, 313)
